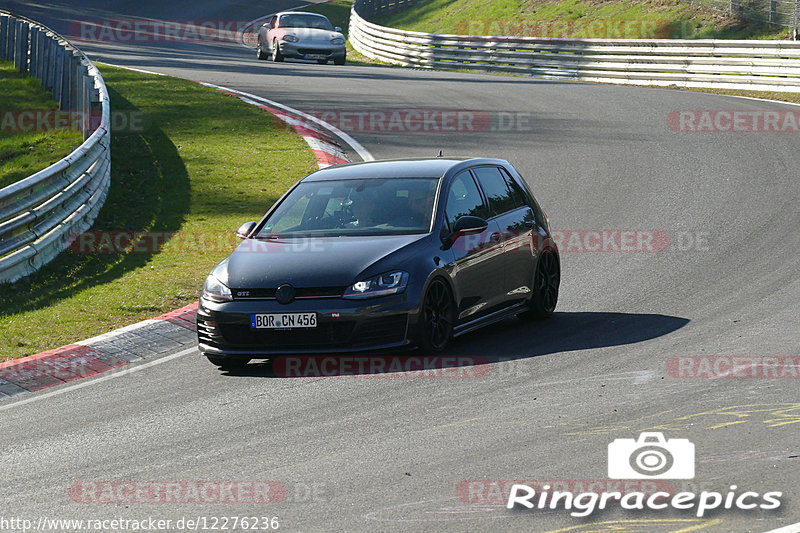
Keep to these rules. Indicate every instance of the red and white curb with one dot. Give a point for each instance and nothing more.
(311, 128)
(327, 151)
(178, 328)
(99, 354)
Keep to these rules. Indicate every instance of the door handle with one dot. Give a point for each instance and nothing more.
(530, 223)
(495, 237)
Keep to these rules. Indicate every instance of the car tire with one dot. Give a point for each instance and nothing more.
(277, 57)
(437, 317)
(228, 363)
(340, 60)
(260, 54)
(546, 282)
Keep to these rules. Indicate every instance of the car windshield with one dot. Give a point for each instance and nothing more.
(305, 21)
(376, 206)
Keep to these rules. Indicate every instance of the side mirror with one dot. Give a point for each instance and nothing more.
(466, 225)
(338, 29)
(245, 229)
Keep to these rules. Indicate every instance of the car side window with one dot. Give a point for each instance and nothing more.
(518, 196)
(464, 199)
(273, 22)
(496, 189)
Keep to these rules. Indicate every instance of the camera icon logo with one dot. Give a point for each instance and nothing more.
(651, 456)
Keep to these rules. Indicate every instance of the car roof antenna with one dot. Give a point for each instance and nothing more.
(440, 154)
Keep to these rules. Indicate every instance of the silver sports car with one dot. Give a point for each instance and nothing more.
(301, 36)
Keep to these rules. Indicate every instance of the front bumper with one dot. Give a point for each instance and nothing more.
(301, 50)
(343, 326)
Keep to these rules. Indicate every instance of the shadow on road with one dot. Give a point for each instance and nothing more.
(508, 340)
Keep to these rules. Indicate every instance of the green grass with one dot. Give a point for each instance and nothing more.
(204, 164)
(574, 18)
(25, 153)
(767, 95)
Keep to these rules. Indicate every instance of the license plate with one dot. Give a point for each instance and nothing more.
(283, 320)
(316, 56)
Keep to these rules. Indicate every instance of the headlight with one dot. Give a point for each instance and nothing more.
(383, 285)
(337, 40)
(216, 291)
(290, 39)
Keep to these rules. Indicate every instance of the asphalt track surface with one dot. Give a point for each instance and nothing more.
(373, 454)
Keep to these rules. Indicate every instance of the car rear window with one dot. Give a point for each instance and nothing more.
(499, 193)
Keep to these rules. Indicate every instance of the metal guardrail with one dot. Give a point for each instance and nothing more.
(42, 214)
(741, 64)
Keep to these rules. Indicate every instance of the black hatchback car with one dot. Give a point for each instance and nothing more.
(379, 255)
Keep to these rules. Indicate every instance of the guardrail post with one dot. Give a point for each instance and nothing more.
(773, 11)
(33, 59)
(11, 29)
(81, 98)
(66, 79)
(21, 55)
(40, 55)
(74, 74)
(17, 40)
(58, 69)
(3, 32)
(87, 106)
(11, 43)
(48, 75)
